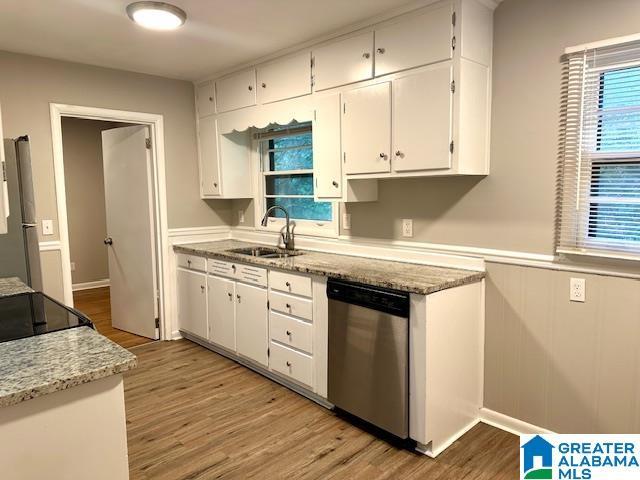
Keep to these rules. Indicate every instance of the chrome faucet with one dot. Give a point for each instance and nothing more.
(287, 236)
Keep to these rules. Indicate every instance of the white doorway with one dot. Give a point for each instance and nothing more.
(135, 228)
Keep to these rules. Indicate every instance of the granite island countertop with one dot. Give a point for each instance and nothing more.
(409, 277)
(35, 366)
(13, 286)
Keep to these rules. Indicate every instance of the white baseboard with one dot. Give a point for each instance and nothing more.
(510, 424)
(89, 285)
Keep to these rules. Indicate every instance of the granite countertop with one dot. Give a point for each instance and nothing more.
(13, 286)
(36, 366)
(408, 277)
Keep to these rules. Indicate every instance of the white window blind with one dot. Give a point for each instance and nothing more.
(599, 196)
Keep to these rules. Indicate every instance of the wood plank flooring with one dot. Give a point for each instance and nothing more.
(96, 304)
(193, 414)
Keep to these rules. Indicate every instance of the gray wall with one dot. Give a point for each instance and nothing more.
(27, 86)
(84, 188)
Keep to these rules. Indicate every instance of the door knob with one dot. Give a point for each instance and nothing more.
(108, 241)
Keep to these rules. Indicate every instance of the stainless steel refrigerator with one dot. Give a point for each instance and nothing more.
(19, 247)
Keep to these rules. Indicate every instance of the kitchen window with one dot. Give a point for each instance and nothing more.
(286, 168)
(600, 197)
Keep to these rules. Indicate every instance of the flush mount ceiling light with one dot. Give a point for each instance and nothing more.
(156, 15)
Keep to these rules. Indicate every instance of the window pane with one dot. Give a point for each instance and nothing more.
(619, 118)
(289, 184)
(293, 159)
(615, 221)
(303, 139)
(301, 208)
(615, 180)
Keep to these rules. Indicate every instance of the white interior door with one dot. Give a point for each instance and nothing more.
(130, 226)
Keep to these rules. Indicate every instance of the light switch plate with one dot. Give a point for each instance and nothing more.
(47, 227)
(73, 266)
(346, 221)
(407, 227)
(577, 289)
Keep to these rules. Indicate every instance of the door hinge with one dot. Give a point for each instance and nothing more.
(268, 304)
(453, 86)
(313, 62)
(147, 142)
(313, 80)
(344, 108)
(268, 352)
(344, 157)
(157, 323)
(451, 146)
(453, 19)
(453, 43)
(4, 172)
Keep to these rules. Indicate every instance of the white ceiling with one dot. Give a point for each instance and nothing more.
(218, 34)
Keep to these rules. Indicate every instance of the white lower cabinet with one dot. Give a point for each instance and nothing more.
(251, 323)
(192, 302)
(222, 312)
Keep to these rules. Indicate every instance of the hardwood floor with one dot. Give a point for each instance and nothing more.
(95, 303)
(193, 414)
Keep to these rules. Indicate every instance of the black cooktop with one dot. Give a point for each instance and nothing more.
(30, 314)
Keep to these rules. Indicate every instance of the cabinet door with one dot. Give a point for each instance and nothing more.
(327, 164)
(209, 158)
(414, 41)
(286, 78)
(342, 62)
(205, 99)
(366, 129)
(222, 321)
(192, 302)
(251, 322)
(422, 105)
(236, 91)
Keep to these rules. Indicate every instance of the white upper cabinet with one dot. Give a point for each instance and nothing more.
(366, 129)
(236, 91)
(422, 109)
(414, 40)
(286, 78)
(342, 62)
(206, 99)
(209, 165)
(327, 161)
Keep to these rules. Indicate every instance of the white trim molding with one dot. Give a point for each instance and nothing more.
(50, 246)
(510, 424)
(90, 285)
(155, 122)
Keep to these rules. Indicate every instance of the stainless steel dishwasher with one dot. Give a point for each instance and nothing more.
(369, 354)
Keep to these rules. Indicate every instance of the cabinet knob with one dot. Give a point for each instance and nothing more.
(215, 184)
(380, 50)
(250, 88)
(288, 364)
(189, 262)
(335, 184)
(230, 295)
(366, 55)
(288, 306)
(233, 267)
(288, 333)
(211, 99)
(108, 241)
(202, 288)
(383, 155)
(287, 284)
(264, 85)
(238, 297)
(399, 154)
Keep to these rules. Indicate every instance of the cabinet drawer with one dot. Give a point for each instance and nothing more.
(251, 274)
(192, 262)
(290, 283)
(299, 307)
(291, 332)
(292, 364)
(220, 267)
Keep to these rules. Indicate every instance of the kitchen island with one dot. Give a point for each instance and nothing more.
(62, 406)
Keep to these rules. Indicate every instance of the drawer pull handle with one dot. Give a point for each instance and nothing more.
(288, 306)
(189, 262)
(288, 364)
(233, 267)
(230, 296)
(288, 333)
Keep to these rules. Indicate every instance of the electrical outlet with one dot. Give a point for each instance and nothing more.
(73, 266)
(577, 290)
(407, 227)
(241, 216)
(346, 221)
(47, 227)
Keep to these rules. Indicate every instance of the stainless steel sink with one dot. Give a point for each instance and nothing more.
(266, 252)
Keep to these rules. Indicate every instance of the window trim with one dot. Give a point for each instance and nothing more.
(311, 228)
